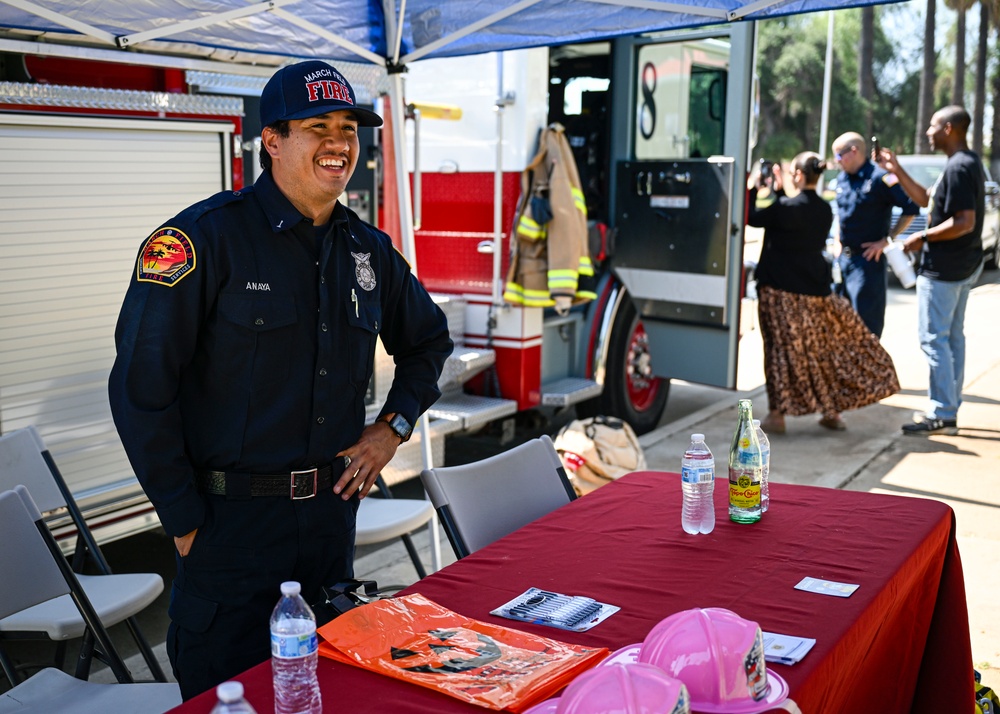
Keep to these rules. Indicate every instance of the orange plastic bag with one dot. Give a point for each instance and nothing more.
(416, 640)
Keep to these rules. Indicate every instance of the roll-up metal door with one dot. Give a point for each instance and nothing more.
(77, 197)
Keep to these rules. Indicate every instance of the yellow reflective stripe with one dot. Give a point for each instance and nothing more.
(530, 229)
(586, 267)
(514, 293)
(540, 302)
(561, 273)
(586, 295)
(579, 200)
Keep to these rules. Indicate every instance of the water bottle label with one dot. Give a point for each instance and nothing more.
(288, 646)
(748, 457)
(690, 474)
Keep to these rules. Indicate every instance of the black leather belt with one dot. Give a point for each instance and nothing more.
(295, 485)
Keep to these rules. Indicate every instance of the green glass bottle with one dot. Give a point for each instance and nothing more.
(745, 469)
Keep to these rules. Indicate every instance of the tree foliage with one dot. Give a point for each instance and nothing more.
(790, 63)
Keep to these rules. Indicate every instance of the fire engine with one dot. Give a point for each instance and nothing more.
(97, 154)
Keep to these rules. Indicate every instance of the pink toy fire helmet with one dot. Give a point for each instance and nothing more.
(620, 689)
(719, 656)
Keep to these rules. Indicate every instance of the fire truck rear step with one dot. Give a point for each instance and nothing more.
(569, 390)
(471, 410)
(463, 364)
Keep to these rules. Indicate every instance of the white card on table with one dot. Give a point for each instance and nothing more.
(826, 587)
(785, 649)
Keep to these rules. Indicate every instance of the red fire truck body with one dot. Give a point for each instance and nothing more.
(660, 127)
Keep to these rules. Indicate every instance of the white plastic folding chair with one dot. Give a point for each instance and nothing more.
(485, 500)
(116, 597)
(35, 573)
(384, 517)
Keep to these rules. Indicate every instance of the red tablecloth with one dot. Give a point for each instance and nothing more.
(900, 643)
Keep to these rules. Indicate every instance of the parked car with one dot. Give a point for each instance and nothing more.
(925, 169)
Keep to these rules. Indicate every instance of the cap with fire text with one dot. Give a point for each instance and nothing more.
(306, 89)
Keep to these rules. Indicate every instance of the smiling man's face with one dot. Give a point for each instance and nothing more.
(314, 163)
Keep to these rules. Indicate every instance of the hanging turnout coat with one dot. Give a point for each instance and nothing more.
(550, 255)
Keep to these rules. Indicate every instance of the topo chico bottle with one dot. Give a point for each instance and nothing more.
(745, 468)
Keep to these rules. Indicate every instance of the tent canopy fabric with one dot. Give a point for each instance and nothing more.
(273, 32)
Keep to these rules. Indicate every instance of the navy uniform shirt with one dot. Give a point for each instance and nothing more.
(246, 343)
(864, 204)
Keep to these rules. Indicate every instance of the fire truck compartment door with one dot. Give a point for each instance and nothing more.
(674, 254)
(78, 195)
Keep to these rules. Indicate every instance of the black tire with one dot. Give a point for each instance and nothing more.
(630, 393)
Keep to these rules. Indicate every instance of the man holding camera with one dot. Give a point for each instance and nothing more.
(866, 194)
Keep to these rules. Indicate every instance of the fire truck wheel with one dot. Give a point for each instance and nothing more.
(631, 391)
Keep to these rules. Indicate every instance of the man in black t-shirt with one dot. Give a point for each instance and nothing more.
(952, 262)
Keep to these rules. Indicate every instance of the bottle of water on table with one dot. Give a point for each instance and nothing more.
(698, 485)
(294, 652)
(765, 465)
(231, 700)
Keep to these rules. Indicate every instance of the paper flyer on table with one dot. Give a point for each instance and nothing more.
(565, 612)
(785, 649)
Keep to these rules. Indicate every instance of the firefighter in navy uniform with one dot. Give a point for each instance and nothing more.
(245, 347)
(866, 194)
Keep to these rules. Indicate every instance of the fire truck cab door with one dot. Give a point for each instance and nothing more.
(681, 146)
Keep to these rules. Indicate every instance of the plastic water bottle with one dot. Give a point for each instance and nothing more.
(231, 700)
(698, 484)
(294, 652)
(765, 465)
(744, 469)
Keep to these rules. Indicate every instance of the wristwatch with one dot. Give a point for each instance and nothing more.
(399, 424)
(923, 236)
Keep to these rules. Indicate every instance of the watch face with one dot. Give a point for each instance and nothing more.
(401, 426)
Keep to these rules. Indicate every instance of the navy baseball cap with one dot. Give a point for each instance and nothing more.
(306, 89)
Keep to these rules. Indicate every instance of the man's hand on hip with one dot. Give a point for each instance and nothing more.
(873, 251)
(183, 544)
(377, 445)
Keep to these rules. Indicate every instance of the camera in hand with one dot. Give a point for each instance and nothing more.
(766, 169)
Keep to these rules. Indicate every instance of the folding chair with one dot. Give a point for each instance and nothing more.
(25, 460)
(387, 517)
(485, 500)
(36, 573)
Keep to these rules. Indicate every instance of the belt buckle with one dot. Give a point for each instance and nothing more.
(299, 485)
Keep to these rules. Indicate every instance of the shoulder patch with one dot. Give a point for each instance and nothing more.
(890, 180)
(166, 257)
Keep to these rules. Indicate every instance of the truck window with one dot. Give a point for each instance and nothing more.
(579, 91)
(681, 99)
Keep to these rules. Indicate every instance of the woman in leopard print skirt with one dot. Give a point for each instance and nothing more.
(818, 355)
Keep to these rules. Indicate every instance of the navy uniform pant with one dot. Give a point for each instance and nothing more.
(865, 283)
(228, 584)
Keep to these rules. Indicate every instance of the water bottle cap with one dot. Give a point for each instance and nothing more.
(697, 437)
(230, 691)
(290, 588)
(756, 422)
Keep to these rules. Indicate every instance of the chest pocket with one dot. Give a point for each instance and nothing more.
(365, 321)
(255, 334)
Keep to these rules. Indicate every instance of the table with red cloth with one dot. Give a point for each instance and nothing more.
(900, 643)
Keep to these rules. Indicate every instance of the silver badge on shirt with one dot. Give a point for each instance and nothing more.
(363, 271)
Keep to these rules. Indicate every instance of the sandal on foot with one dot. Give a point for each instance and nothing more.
(833, 423)
(773, 427)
